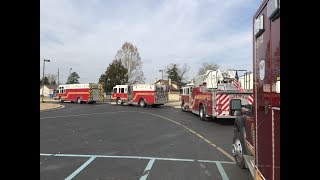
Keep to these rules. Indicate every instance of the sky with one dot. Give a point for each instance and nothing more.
(85, 35)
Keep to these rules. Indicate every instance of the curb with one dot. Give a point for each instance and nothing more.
(105, 102)
(177, 107)
(51, 109)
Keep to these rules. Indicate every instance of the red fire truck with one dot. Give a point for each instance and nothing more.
(140, 94)
(89, 93)
(256, 142)
(213, 96)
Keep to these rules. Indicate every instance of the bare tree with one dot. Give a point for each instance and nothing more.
(129, 56)
(182, 71)
(52, 78)
(207, 66)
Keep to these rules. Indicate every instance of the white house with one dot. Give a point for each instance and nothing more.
(174, 89)
(48, 89)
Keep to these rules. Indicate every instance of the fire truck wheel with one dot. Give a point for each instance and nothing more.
(60, 100)
(183, 106)
(118, 101)
(239, 148)
(202, 113)
(78, 100)
(142, 103)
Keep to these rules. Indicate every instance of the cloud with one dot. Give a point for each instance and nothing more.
(86, 35)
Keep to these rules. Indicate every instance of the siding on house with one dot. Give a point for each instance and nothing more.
(48, 89)
(174, 96)
(174, 90)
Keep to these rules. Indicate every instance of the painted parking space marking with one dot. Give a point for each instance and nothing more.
(136, 157)
(80, 168)
(148, 167)
(222, 171)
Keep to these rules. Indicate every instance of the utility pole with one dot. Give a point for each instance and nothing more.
(162, 75)
(44, 62)
(129, 70)
(58, 77)
(69, 76)
(161, 70)
(249, 80)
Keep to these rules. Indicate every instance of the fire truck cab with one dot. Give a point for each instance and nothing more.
(256, 141)
(185, 97)
(140, 94)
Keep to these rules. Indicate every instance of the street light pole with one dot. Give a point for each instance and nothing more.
(162, 73)
(69, 74)
(58, 77)
(44, 62)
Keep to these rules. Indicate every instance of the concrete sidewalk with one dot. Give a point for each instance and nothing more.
(48, 104)
(175, 104)
(47, 99)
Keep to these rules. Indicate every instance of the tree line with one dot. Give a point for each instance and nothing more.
(51, 79)
(126, 68)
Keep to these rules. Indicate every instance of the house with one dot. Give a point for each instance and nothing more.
(48, 89)
(174, 89)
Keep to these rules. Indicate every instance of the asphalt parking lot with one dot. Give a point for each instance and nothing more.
(105, 141)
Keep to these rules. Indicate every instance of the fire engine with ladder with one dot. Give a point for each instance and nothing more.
(256, 141)
(88, 93)
(213, 96)
(140, 94)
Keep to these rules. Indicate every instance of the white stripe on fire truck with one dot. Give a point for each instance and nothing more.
(223, 98)
(69, 93)
(225, 105)
(251, 99)
(225, 101)
(142, 94)
(219, 99)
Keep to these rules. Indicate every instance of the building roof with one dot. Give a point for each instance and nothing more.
(166, 82)
(50, 86)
